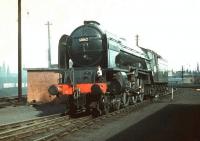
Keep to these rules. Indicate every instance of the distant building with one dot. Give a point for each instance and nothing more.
(186, 77)
(9, 79)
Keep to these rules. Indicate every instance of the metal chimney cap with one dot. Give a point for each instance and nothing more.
(91, 22)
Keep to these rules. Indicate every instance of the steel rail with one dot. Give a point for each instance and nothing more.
(41, 129)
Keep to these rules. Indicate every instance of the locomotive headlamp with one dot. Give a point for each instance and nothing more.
(99, 71)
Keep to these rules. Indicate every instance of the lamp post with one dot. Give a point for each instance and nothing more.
(19, 53)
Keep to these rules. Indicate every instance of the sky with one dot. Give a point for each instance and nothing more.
(169, 27)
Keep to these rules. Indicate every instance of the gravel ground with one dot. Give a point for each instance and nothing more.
(177, 120)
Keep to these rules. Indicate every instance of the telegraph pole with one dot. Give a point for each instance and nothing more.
(19, 53)
(49, 44)
(137, 40)
(182, 73)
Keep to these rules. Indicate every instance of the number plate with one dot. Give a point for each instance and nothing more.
(83, 39)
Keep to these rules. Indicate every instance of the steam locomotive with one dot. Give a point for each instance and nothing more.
(100, 72)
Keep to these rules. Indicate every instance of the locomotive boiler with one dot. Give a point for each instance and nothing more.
(100, 72)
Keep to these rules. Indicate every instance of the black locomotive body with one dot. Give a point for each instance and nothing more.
(100, 71)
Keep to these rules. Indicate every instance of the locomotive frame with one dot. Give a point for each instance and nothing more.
(100, 73)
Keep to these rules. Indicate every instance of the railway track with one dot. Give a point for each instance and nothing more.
(10, 126)
(55, 127)
(10, 98)
(11, 101)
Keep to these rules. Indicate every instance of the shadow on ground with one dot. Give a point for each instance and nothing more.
(50, 108)
(176, 122)
(57, 106)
